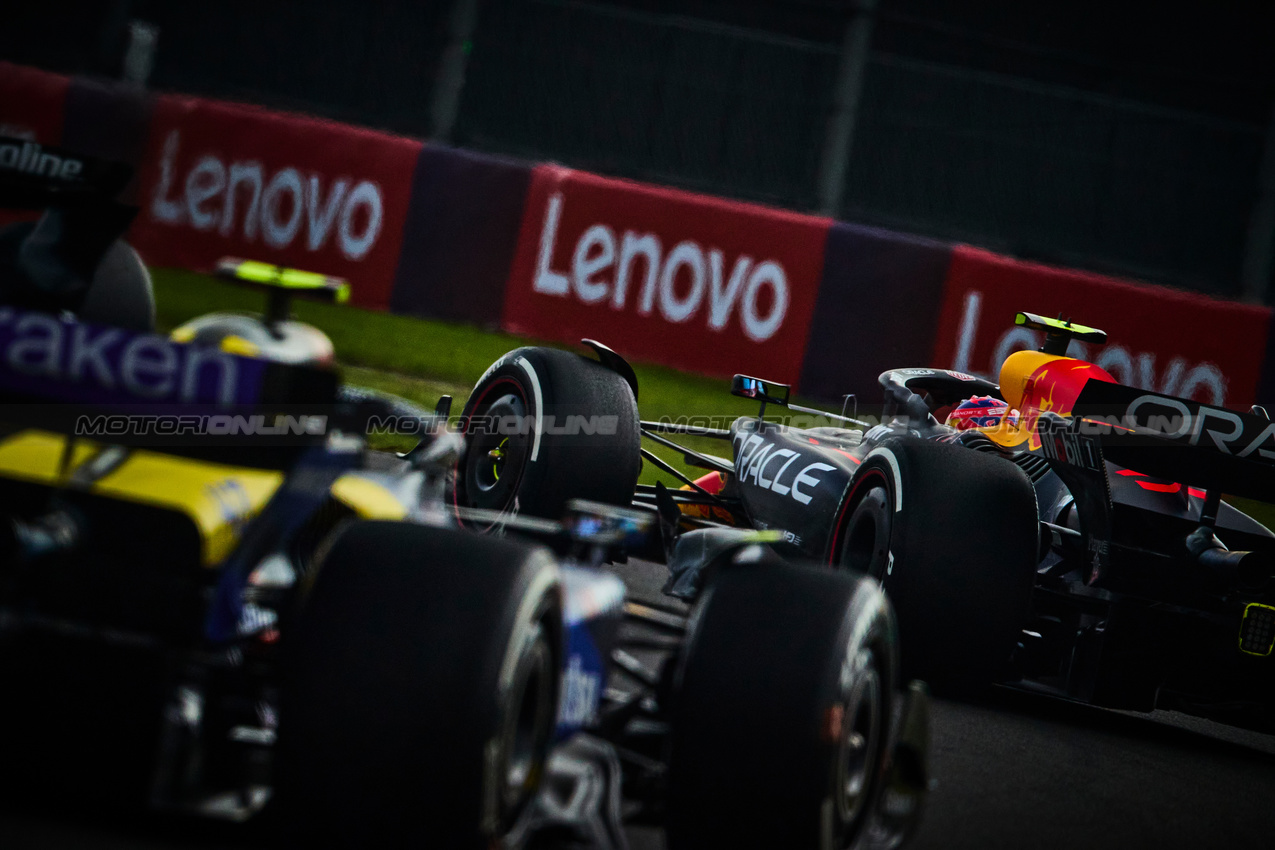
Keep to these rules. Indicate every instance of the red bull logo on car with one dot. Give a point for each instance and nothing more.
(1034, 383)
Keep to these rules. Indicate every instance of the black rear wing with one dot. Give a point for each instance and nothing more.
(1178, 439)
(35, 176)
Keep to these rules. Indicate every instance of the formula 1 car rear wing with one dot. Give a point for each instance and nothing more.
(1180, 440)
(1059, 332)
(281, 284)
(35, 176)
(50, 264)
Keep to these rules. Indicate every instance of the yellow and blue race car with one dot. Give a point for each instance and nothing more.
(215, 598)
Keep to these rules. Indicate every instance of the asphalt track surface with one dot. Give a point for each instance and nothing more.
(1015, 771)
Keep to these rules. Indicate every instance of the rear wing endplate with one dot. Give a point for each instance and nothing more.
(1180, 440)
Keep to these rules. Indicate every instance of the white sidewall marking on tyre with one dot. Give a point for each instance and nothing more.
(542, 582)
(490, 369)
(894, 470)
(546, 577)
(535, 391)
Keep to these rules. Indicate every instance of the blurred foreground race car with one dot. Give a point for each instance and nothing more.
(215, 599)
(1058, 530)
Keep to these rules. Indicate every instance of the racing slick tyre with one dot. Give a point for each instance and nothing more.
(579, 436)
(781, 710)
(421, 690)
(952, 535)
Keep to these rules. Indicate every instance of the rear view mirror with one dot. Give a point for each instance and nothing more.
(763, 391)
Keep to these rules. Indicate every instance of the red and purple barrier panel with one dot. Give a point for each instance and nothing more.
(462, 228)
(877, 309)
(891, 300)
(665, 276)
(32, 103)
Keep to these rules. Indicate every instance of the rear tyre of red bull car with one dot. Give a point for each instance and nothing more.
(952, 534)
(781, 723)
(545, 426)
(421, 690)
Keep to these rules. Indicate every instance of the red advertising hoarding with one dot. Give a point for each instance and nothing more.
(32, 103)
(699, 283)
(1160, 339)
(224, 179)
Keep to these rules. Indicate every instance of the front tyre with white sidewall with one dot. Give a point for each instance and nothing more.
(543, 427)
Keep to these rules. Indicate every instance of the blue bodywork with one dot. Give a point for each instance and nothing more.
(593, 603)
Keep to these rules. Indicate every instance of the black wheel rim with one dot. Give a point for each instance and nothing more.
(859, 747)
(489, 462)
(498, 437)
(867, 537)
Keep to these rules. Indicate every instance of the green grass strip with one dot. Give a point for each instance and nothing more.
(422, 359)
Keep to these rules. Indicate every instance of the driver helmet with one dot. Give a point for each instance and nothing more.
(982, 412)
(248, 335)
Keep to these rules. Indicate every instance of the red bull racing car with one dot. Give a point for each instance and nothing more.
(1056, 530)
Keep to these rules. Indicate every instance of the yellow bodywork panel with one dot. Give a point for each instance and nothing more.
(367, 498)
(219, 499)
(1015, 371)
(37, 456)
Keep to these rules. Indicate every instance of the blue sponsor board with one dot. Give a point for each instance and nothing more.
(49, 358)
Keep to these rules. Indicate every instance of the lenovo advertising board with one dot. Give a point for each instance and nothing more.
(665, 276)
(225, 179)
